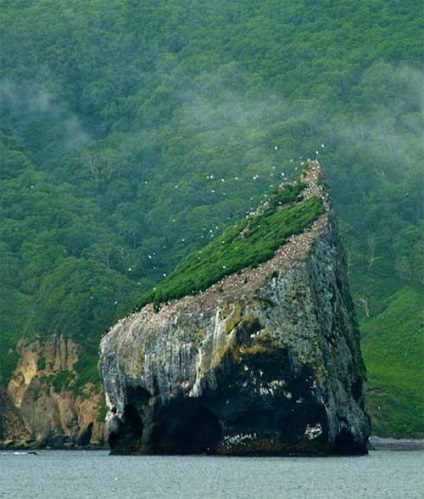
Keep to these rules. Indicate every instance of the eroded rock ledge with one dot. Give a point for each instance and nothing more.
(266, 362)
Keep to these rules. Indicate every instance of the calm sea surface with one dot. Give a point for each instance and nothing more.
(95, 474)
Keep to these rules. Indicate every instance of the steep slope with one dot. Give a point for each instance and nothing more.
(394, 354)
(264, 361)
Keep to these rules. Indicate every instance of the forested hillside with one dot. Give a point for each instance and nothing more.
(135, 131)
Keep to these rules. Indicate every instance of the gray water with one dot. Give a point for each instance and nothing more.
(95, 474)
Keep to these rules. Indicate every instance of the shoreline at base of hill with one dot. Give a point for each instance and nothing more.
(379, 443)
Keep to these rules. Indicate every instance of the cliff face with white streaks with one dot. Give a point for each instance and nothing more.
(266, 361)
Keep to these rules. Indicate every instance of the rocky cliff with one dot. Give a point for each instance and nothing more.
(265, 361)
(44, 406)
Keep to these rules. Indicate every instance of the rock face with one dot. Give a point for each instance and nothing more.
(41, 406)
(266, 361)
(12, 426)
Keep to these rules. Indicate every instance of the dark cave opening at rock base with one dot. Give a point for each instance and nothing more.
(127, 432)
(185, 427)
(345, 444)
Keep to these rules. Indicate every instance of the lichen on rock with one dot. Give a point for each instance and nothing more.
(266, 361)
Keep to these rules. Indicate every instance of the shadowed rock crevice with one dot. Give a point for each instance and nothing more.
(85, 437)
(125, 429)
(345, 443)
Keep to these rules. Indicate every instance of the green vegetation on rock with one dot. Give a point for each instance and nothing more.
(248, 243)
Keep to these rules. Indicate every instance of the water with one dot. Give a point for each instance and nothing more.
(95, 474)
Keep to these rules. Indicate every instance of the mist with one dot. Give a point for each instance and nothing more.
(31, 110)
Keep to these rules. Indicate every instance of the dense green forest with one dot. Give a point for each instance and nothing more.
(133, 132)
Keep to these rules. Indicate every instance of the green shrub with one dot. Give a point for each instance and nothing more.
(86, 368)
(41, 363)
(8, 356)
(62, 379)
(8, 362)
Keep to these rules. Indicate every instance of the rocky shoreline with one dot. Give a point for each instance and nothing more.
(379, 443)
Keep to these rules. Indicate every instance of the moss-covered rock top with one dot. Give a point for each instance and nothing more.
(290, 210)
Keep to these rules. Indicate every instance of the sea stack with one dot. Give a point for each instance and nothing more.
(265, 361)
